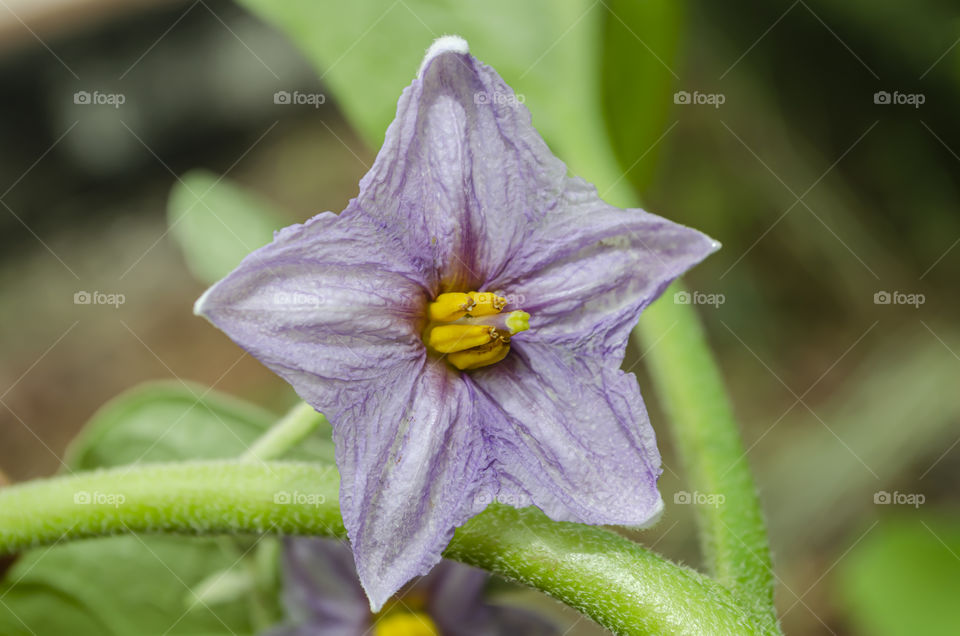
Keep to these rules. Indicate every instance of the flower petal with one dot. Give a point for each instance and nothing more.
(573, 434)
(454, 595)
(590, 268)
(508, 621)
(455, 601)
(462, 172)
(411, 459)
(326, 307)
(321, 591)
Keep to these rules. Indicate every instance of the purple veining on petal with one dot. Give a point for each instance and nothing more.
(590, 268)
(410, 463)
(462, 173)
(325, 307)
(573, 434)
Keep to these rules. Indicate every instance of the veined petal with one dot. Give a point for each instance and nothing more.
(590, 268)
(462, 172)
(411, 458)
(325, 307)
(573, 434)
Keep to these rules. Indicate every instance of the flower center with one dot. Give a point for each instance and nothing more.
(401, 623)
(470, 330)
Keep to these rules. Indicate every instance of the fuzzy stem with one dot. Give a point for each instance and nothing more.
(618, 583)
(733, 534)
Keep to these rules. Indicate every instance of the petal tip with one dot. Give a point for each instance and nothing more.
(376, 604)
(656, 513)
(444, 44)
(198, 306)
(380, 591)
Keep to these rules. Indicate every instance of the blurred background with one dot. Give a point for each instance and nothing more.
(818, 141)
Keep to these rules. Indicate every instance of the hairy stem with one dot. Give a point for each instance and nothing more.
(733, 534)
(618, 583)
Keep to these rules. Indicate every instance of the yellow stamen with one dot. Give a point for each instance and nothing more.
(402, 623)
(470, 330)
(487, 303)
(450, 338)
(450, 306)
(484, 355)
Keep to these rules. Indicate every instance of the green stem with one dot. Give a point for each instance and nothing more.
(732, 534)
(618, 583)
(293, 428)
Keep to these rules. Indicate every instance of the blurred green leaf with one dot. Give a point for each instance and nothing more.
(121, 585)
(146, 585)
(217, 223)
(367, 52)
(903, 578)
(221, 587)
(167, 421)
(640, 43)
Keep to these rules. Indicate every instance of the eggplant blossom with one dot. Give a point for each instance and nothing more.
(323, 597)
(462, 324)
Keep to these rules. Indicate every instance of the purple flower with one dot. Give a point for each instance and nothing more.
(462, 324)
(323, 597)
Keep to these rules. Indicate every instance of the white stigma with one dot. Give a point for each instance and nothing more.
(444, 44)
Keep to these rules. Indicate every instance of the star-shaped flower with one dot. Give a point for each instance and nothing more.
(323, 597)
(462, 323)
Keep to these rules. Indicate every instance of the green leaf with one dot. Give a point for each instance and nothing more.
(640, 43)
(166, 421)
(118, 585)
(367, 52)
(77, 588)
(217, 223)
(903, 578)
